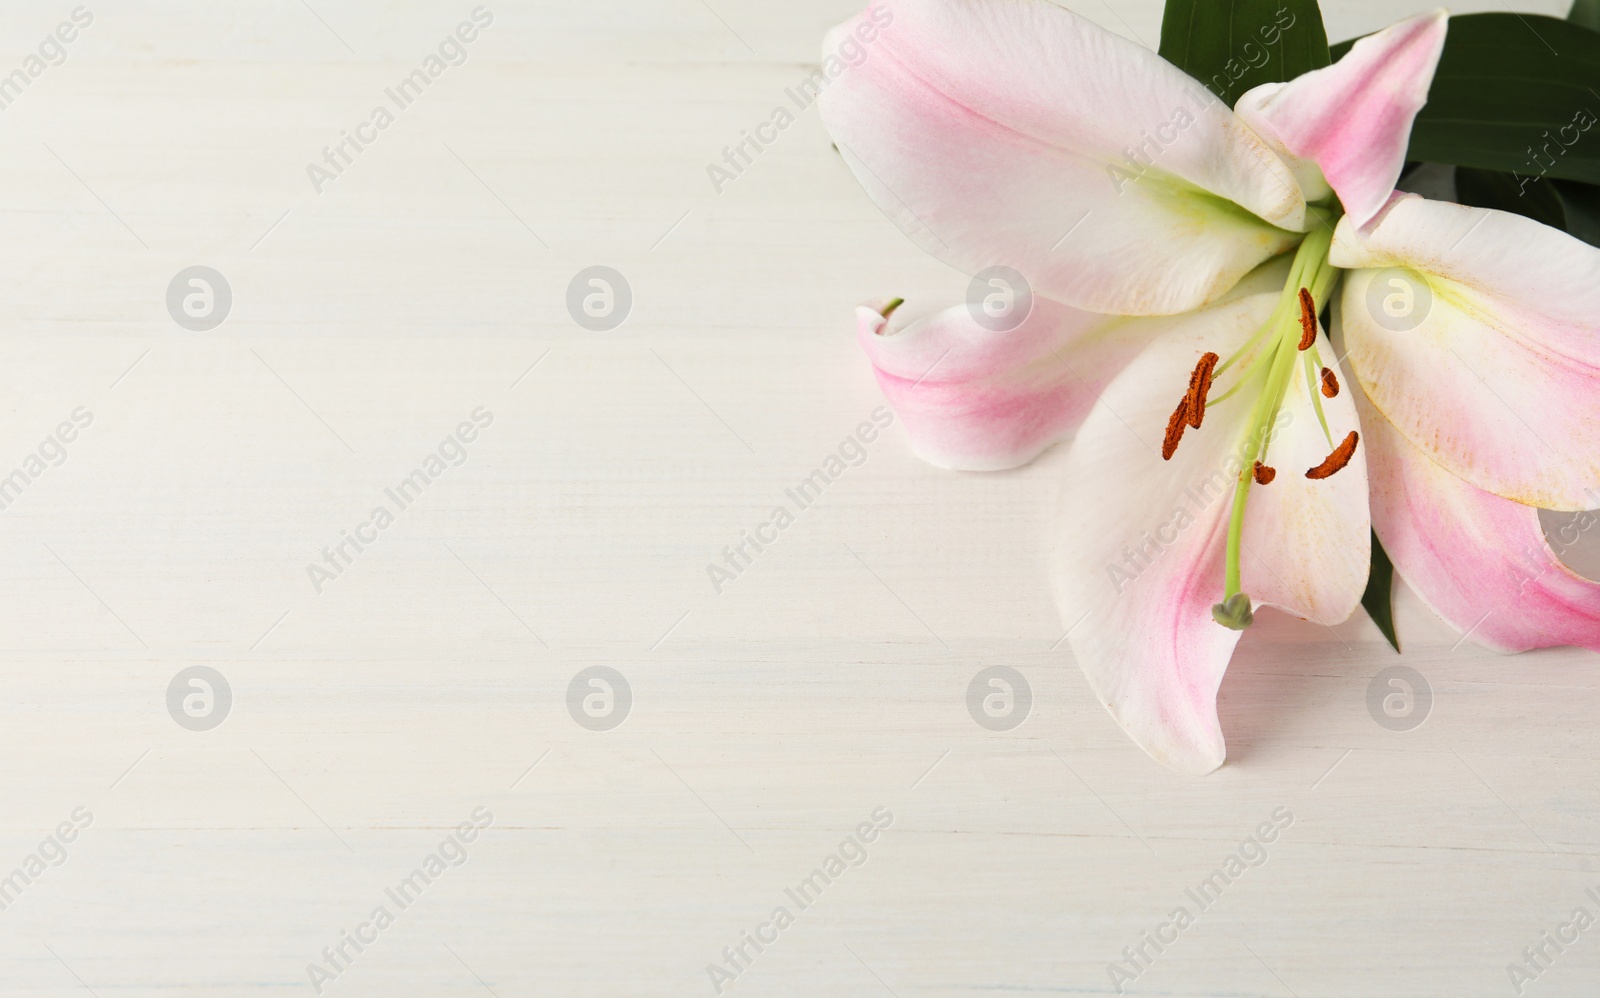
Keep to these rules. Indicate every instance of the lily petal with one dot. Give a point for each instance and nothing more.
(1142, 544)
(1307, 545)
(1353, 119)
(1142, 539)
(1015, 133)
(974, 399)
(1479, 561)
(1477, 334)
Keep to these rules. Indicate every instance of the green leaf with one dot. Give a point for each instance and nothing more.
(1232, 47)
(1379, 597)
(1586, 13)
(1531, 196)
(1582, 205)
(1515, 93)
(1563, 204)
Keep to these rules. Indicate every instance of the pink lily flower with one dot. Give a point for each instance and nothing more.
(1177, 256)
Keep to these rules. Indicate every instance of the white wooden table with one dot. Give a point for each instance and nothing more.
(428, 281)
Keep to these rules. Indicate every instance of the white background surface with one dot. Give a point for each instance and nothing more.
(827, 681)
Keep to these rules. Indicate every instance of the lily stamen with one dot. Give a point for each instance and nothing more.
(1308, 319)
(1175, 426)
(1265, 474)
(1337, 460)
(1310, 276)
(1191, 412)
(1200, 387)
(1330, 384)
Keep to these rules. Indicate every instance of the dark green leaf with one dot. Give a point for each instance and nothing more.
(1379, 597)
(1242, 44)
(1530, 196)
(1586, 13)
(1582, 205)
(1563, 204)
(1515, 93)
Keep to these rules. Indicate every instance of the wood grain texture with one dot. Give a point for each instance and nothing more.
(769, 719)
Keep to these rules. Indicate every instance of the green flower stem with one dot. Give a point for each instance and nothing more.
(1310, 270)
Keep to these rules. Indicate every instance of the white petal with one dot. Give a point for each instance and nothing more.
(1479, 561)
(1015, 133)
(1477, 334)
(973, 398)
(1353, 119)
(1307, 544)
(1141, 540)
